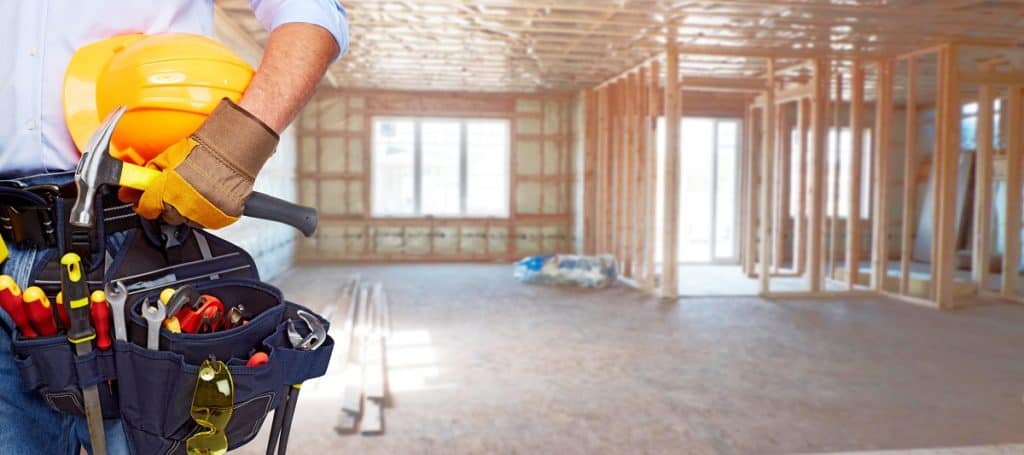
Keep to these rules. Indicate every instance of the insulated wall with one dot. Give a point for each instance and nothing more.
(335, 172)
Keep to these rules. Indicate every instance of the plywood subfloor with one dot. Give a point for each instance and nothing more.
(483, 364)
(698, 280)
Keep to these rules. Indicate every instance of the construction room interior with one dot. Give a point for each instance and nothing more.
(814, 208)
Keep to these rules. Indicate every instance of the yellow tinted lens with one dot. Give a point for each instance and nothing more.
(212, 404)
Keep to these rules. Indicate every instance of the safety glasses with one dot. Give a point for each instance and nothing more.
(212, 404)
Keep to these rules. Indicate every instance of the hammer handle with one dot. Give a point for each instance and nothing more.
(267, 207)
(258, 205)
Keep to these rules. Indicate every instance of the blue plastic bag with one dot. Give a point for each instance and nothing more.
(567, 269)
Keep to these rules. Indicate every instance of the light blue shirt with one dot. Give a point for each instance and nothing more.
(38, 38)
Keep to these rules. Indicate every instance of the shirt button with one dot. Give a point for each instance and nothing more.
(32, 52)
(31, 125)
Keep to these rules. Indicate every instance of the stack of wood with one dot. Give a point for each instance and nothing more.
(363, 348)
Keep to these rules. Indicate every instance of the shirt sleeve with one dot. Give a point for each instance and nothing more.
(328, 14)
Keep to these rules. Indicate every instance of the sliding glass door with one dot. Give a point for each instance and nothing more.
(708, 206)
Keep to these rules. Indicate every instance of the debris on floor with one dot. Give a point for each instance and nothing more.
(363, 345)
(568, 269)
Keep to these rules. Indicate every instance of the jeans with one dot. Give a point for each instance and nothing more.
(27, 424)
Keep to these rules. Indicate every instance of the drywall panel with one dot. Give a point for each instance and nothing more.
(473, 240)
(417, 240)
(528, 198)
(497, 241)
(355, 155)
(527, 106)
(332, 155)
(446, 241)
(355, 197)
(332, 197)
(528, 158)
(528, 125)
(528, 240)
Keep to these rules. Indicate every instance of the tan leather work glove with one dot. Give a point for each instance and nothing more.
(207, 177)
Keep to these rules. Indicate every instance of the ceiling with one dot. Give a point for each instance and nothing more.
(533, 45)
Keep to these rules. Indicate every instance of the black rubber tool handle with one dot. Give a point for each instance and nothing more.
(263, 206)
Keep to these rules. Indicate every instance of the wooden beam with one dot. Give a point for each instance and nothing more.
(800, 221)
(949, 158)
(603, 172)
(651, 182)
(1015, 148)
(936, 174)
(818, 185)
(992, 77)
(628, 221)
(724, 84)
(833, 249)
(749, 192)
(615, 165)
(590, 166)
(767, 182)
(880, 219)
(981, 251)
(673, 116)
(909, 178)
(782, 187)
(639, 171)
(853, 220)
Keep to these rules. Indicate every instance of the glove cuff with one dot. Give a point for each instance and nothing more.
(237, 138)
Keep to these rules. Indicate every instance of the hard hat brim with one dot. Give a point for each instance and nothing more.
(81, 111)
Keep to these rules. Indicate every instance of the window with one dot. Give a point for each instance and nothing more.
(845, 147)
(440, 167)
(969, 126)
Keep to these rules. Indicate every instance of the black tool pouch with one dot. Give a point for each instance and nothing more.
(151, 390)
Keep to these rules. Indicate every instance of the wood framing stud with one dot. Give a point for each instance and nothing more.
(982, 246)
(1015, 148)
(817, 186)
(880, 218)
(673, 115)
(853, 216)
(909, 177)
(767, 183)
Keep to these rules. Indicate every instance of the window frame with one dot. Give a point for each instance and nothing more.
(417, 121)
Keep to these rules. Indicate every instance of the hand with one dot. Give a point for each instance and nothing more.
(207, 177)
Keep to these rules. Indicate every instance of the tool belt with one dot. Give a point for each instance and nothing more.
(151, 390)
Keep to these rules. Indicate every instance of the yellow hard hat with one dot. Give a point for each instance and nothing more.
(169, 82)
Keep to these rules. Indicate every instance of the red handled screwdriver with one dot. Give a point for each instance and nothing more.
(39, 311)
(10, 300)
(99, 312)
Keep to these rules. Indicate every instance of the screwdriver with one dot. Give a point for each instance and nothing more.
(80, 334)
(10, 300)
(99, 312)
(62, 312)
(39, 310)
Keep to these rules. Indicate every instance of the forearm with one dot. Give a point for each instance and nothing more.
(295, 59)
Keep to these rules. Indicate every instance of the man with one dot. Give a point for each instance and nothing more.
(205, 178)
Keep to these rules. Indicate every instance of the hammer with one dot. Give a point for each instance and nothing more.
(98, 168)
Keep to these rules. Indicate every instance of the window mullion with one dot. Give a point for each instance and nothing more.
(463, 166)
(417, 167)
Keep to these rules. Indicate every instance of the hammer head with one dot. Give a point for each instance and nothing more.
(96, 169)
